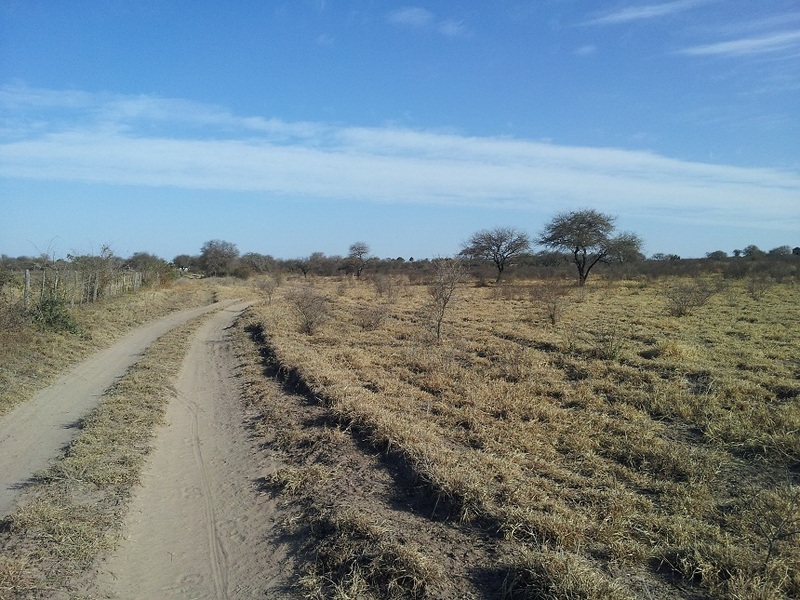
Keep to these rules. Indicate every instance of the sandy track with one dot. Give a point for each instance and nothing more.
(35, 432)
(198, 528)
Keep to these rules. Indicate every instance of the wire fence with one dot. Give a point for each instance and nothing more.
(72, 286)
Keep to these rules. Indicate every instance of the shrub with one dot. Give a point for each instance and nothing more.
(371, 318)
(551, 296)
(448, 275)
(51, 313)
(268, 287)
(682, 298)
(385, 286)
(311, 307)
(758, 286)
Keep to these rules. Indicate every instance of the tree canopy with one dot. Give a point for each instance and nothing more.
(218, 257)
(499, 245)
(588, 236)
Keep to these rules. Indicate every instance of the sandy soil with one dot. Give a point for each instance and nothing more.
(198, 527)
(35, 432)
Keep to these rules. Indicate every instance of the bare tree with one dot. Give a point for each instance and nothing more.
(357, 257)
(448, 273)
(499, 245)
(303, 265)
(587, 234)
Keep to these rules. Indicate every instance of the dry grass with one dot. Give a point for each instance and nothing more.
(619, 440)
(358, 557)
(73, 512)
(30, 357)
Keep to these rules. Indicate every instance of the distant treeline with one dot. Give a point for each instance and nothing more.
(222, 258)
(86, 278)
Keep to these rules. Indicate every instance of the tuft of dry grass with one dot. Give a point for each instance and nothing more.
(558, 575)
(358, 557)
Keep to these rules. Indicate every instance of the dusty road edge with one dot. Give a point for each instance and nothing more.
(35, 432)
(72, 513)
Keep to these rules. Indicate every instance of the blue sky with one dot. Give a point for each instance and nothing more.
(306, 125)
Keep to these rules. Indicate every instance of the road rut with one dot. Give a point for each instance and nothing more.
(34, 433)
(198, 527)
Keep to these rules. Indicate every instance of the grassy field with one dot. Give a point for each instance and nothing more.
(554, 442)
(600, 445)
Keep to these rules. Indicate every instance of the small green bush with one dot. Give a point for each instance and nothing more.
(51, 314)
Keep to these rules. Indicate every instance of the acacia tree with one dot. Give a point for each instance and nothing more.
(357, 257)
(588, 236)
(218, 257)
(499, 245)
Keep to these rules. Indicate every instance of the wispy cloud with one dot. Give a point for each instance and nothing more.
(422, 19)
(773, 42)
(411, 16)
(109, 140)
(587, 50)
(451, 28)
(645, 12)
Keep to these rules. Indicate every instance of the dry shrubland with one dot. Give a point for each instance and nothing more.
(610, 446)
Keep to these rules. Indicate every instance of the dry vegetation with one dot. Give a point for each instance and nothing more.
(594, 443)
(31, 356)
(534, 440)
(71, 514)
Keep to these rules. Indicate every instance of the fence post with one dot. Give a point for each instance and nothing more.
(26, 296)
(75, 289)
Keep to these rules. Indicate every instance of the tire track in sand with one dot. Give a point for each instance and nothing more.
(34, 433)
(197, 527)
(218, 558)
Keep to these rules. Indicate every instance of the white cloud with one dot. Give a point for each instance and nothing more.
(423, 19)
(451, 28)
(587, 50)
(774, 42)
(108, 140)
(411, 16)
(645, 12)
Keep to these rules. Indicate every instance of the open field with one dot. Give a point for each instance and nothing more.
(604, 450)
(551, 442)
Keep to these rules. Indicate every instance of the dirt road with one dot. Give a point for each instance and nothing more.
(197, 527)
(34, 433)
